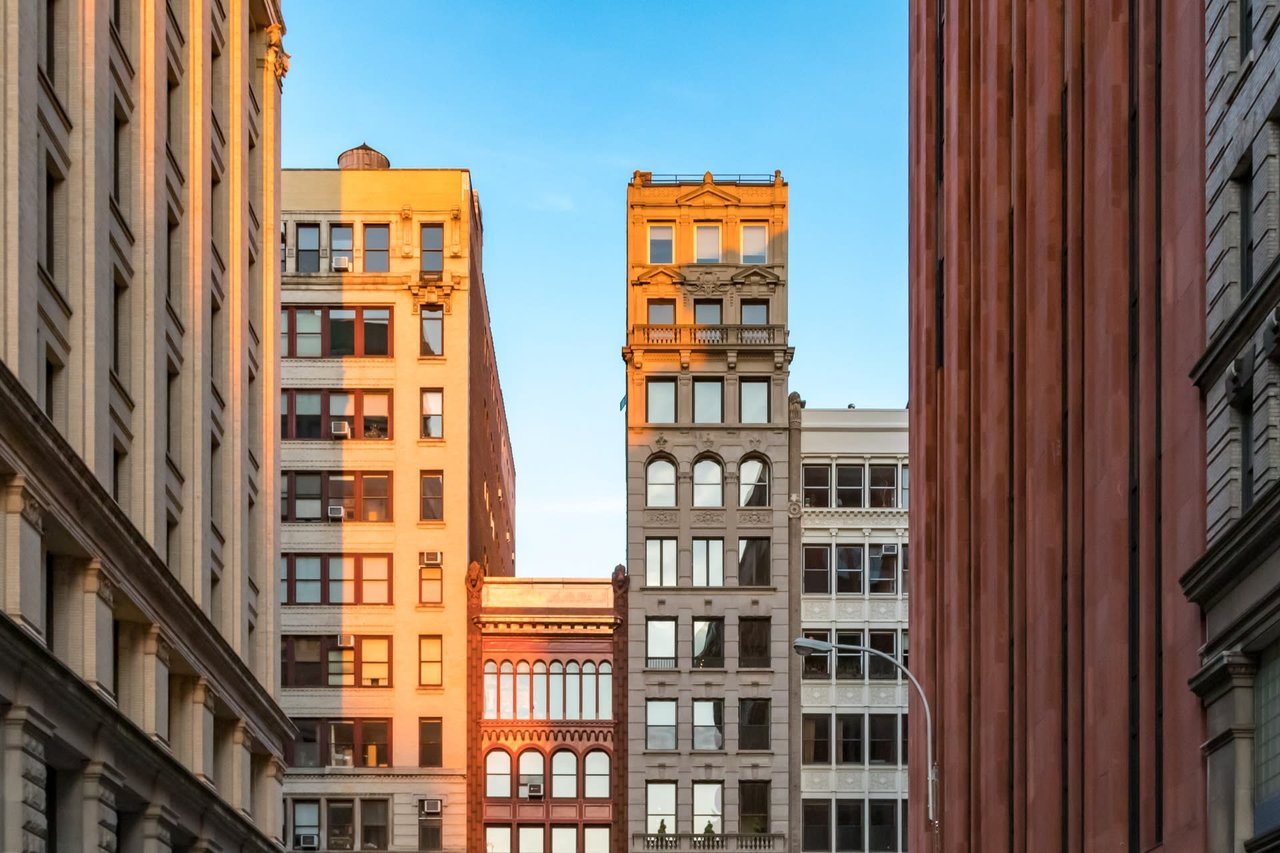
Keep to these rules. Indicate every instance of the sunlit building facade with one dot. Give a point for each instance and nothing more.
(711, 520)
(137, 454)
(397, 474)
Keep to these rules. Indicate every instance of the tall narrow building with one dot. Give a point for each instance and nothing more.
(711, 519)
(138, 177)
(397, 474)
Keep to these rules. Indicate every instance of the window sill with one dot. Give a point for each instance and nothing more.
(437, 441)
(429, 607)
(430, 690)
(431, 523)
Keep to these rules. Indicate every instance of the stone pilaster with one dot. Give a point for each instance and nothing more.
(1225, 687)
(101, 820)
(25, 826)
(23, 563)
(155, 684)
(157, 829)
(202, 731)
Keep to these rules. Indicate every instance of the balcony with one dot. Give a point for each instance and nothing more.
(660, 663)
(691, 335)
(681, 842)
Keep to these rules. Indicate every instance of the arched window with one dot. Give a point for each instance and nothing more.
(497, 774)
(660, 483)
(532, 771)
(753, 482)
(572, 687)
(595, 769)
(540, 690)
(522, 690)
(564, 774)
(556, 690)
(708, 483)
(506, 692)
(490, 690)
(606, 691)
(588, 691)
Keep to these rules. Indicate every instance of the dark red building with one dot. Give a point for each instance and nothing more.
(1057, 441)
(546, 700)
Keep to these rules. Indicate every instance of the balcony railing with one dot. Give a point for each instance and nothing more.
(681, 842)
(701, 335)
(660, 663)
(757, 178)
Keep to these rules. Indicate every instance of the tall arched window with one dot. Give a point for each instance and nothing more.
(588, 691)
(522, 690)
(595, 769)
(572, 688)
(564, 774)
(606, 691)
(708, 483)
(506, 691)
(753, 482)
(490, 690)
(497, 774)
(660, 483)
(532, 771)
(540, 690)
(556, 689)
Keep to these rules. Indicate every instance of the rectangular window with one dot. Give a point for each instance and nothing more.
(815, 819)
(432, 495)
(308, 249)
(849, 569)
(755, 244)
(332, 332)
(708, 401)
(849, 825)
(817, 665)
(906, 566)
(118, 155)
(817, 485)
(335, 661)
(376, 328)
(660, 562)
(373, 825)
(708, 814)
(52, 220)
(849, 486)
(753, 723)
(433, 413)
(660, 643)
(849, 738)
(430, 742)
(660, 401)
(817, 569)
(119, 328)
(754, 401)
(661, 244)
(882, 570)
(374, 662)
(877, 667)
(341, 255)
(1266, 743)
(884, 486)
(708, 562)
(753, 561)
(327, 415)
(430, 833)
(707, 244)
(904, 488)
(430, 665)
(753, 642)
(882, 738)
(433, 248)
(707, 316)
(753, 808)
(848, 663)
(362, 496)
(660, 724)
(377, 245)
(755, 312)
(357, 743)
(661, 312)
(531, 839)
(882, 834)
(306, 751)
(335, 579)
(497, 839)
(708, 643)
(708, 724)
(816, 738)
(306, 822)
(432, 342)
(564, 839)
(430, 585)
(1244, 193)
(660, 808)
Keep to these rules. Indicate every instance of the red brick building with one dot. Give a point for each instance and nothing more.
(1057, 442)
(546, 701)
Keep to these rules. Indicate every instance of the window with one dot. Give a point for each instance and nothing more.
(595, 774)
(1245, 23)
(660, 562)
(532, 771)
(432, 495)
(878, 667)
(884, 485)
(662, 312)
(335, 579)
(429, 662)
(306, 820)
(430, 833)
(660, 724)
(849, 825)
(905, 487)
(497, 774)
(531, 839)
(352, 414)
(308, 252)
(1241, 401)
(359, 743)
(755, 312)
(753, 723)
(660, 483)
(363, 495)
(433, 248)
(817, 569)
(432, 342)
(755, 243)
(1266, 750)
(334, 332)
(376, 330)
(849, 663)
(373, 825)
(660, 643)
(497, 839)
(708, 811)
(564, 774)
(882, 738)
(430, 742)
(606, 691)
(306, 751)
(848, 738)
(564, 839)
(708, 401)
(373, 662)
(1244, 196)
(754, 482)
(430, 585)
(335, 661)
(753, 641)
(539, 690)
(377, 244)
(906, 587)
(754, 402)
(817, 665)
(882, 570)
(433, 413)
(53, 215)
(340, 247)
(882, 835)
(708, 562)
(816, 735)
(849, 486)
(707, 244)
(119, 328)
(707, 315)
(708, 483)
(815, 825)
(849, 569)
(661, 244)
(555, 689)
(708, 724)
(375, 415)
(660, 401)
(660, 807)
(817, 485)
(708, 643)
(753, 561)
(753, 808)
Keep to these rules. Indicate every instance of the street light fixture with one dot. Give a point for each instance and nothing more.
(806, 646)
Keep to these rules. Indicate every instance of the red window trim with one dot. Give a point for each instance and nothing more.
(291, 579)
(289, 495)
(324, 741)
(290, 348)
(329, 642)
(289, 422)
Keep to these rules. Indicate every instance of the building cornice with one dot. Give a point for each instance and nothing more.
(1242, 547)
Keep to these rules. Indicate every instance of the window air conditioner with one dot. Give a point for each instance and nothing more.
(346, 641)
(430, 559)
(340, 429)
(337, 512)
(306, 841)
(430, 807)
(535, 790)
(342, 264)
(888, 549)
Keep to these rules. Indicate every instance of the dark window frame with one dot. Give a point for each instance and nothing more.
(385, 254)
(289, 581)
(328, 643)
(288, 513)
(433, 253)
(290, 342)
(289, 413)
(430, 749)
(423, 478)
(758, 571)
(763, 624)
(324, 741)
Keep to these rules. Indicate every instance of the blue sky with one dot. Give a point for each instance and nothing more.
(552, 106)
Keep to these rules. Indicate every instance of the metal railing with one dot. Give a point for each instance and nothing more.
(694, 335)
(759, 178)
(660, 663)
(689, 841)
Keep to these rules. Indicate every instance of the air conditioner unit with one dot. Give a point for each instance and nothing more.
(430, 807)
(306, 841)
(340, 429)
(535, 791)
(888, 549)
(346, 641)
(342, 264)
(337, 512)
(430, 559)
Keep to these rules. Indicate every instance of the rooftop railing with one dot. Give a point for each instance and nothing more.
(760, 179)
(693, 335)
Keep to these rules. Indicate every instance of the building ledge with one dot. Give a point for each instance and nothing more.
(1245, 545)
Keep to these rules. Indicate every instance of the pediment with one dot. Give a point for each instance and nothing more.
(755, 275)
(659, 275)
(707, 195)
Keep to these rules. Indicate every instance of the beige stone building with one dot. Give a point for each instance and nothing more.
(396, 474)
(137, 418)
(711, 520)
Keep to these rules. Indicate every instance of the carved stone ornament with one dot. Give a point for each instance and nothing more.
(430, 292)
(793, 509)
(660, 442)
(707, 282)
(663, 517)
(475, 577)
(277, 59)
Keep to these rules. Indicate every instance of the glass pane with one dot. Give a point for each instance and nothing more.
(432, 497)
(660, 403)
(342, 331)
(707, 312)
(374, 663)
(662, 312)
(341, 824)
(661, 486)
(708, 809)
(342, 580)
(432, 414)
(306, 580)
(432, 342)
(340, 242)
(755, 313)
(661, 243)
(754, 242)
(308, 236)
(707, 244)
(375, 580)
(754, 485)
(708, 400)
(377, 331)
(306, 417)
(432, 236)
(307, 336)
(755, 401)
(377, 237)
(708, 562)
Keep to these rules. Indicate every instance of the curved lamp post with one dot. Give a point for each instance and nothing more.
(806, 646)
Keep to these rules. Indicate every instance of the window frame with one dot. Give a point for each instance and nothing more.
(289, 328)
(758, 623)
(350, 252)
(439, 580)
(327, 644)
(289, 580)
(649, 484)
(763, 730)
(298, 228)
(325, 742)
(742, 243)
(430, 751)
(423, 478)
(706, 383)
(359, 432)
(658, 734)
(764, 571)
(664, 662)
(665, 381)
(664, 545)
(424, 252)
(423, 432)
(671, 227)
(366, 252)
(438, 662)
(433, 313)
(699, 228)
(289, 496)
(714, 635)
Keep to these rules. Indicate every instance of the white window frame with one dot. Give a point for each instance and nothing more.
(742, 241)
(698, 228)
(671, 226)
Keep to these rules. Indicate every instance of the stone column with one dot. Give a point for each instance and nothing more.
(100, 783)
(90, 622)
(25, 825)
(202, 734)
(238, 786)
(23, 560)
(155, 684)
(157, 829)
(1225, 687)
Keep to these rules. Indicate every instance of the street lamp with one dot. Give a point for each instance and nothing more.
(806, 646)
